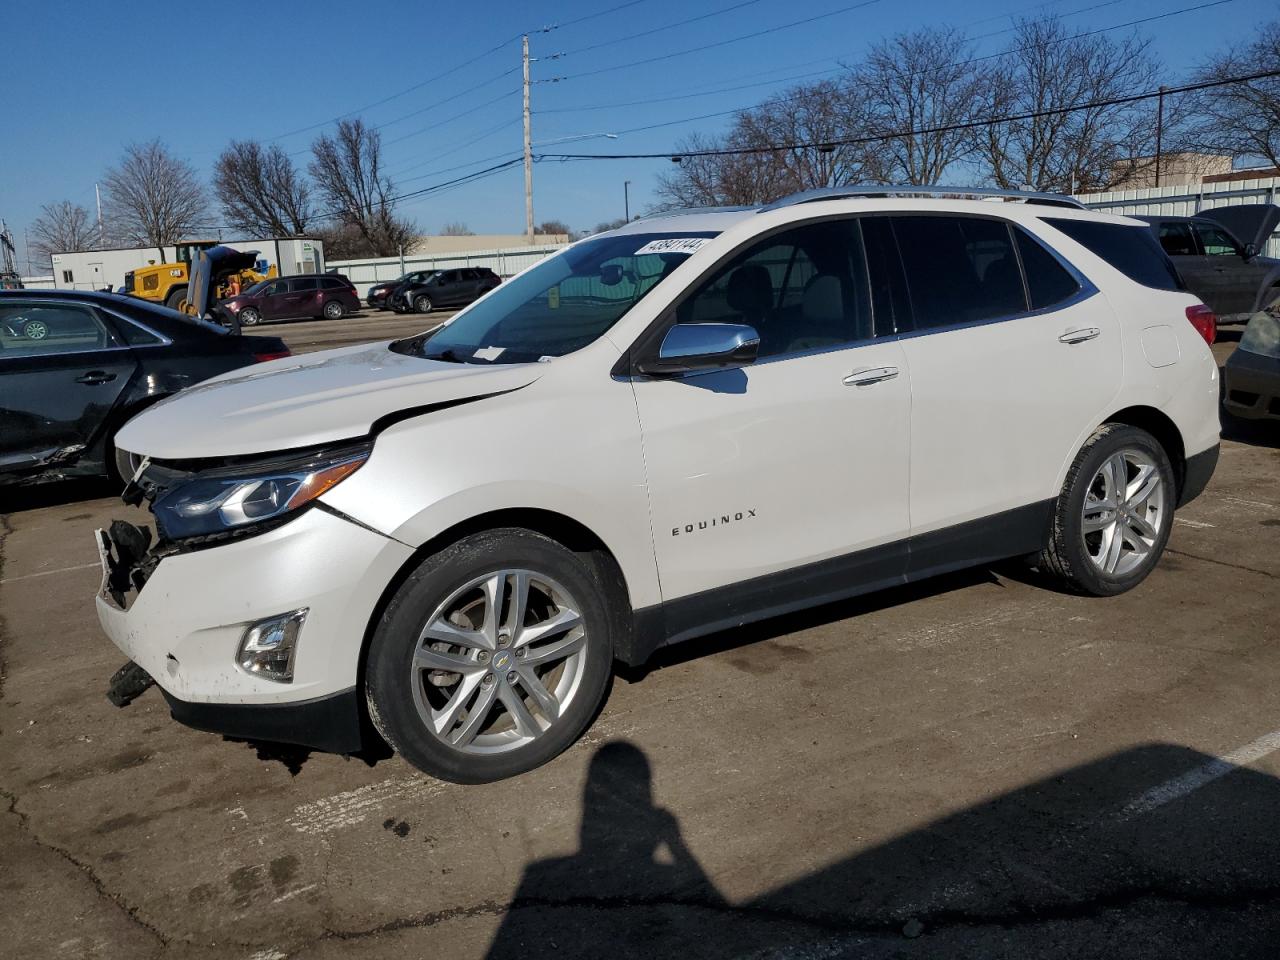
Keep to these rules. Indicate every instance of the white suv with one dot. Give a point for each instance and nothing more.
(695, 421)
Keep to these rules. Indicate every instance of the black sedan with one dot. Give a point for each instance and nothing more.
(443, 288)
(379, 292)
(1252, 372)
(75, 365)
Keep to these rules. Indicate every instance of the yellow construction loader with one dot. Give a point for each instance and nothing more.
(169, 283)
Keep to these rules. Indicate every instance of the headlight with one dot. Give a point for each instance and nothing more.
(1262, 335)
(232, 499)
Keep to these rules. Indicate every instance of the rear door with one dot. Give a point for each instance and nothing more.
(62, 370)
(1235, 280)
(1202, 277)
(1005, 376)
(304, 297)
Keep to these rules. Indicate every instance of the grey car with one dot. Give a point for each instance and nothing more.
(1217, 254)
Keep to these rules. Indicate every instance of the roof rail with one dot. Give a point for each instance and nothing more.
(906, 190)
(683, 211)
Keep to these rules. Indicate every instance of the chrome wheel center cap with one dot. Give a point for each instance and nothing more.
(502, 661)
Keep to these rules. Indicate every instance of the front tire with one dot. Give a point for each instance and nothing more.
(491, 658)
(1113, 517)
(249, 317)
(422, 303)
(177, 298)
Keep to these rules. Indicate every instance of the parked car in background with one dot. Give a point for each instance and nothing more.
(327, 295)
(1218, 254)
(703, 420)
(379, 292)
(75, 365)
(443, 289)
(1252, 372)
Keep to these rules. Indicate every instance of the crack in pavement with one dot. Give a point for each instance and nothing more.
(1222, 563)
(932, 921)
(98, 885)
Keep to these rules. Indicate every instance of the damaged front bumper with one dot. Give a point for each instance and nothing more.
(181, 615)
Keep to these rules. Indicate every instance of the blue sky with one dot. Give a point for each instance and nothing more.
(89, 77)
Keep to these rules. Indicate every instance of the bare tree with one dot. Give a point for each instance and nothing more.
(456, 228)
(917, 85)
(1242, 119)
(261, 192)
(347, 169)
(63, 228)
(1047, 69)
(553, 227)
(153, 198)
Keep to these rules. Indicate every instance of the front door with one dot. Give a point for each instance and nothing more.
(1001, 389)
(274, 302)
(61, 372)
(786, 480)
(1202, 275)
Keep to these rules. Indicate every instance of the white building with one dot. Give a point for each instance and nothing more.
(97, 269)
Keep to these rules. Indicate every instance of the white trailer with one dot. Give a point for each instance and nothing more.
(98, 269)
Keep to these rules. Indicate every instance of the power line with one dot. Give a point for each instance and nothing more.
(659, 29)
(722, 43)
(741, 109)
(947, 128)
(456, 116)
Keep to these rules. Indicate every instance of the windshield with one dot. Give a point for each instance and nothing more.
(564, 303)
(257, 288)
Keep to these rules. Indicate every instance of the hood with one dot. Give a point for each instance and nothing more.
(308, 400)
(208, 268)
(1248, 222)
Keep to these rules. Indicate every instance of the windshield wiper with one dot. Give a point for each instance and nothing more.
(447, 355)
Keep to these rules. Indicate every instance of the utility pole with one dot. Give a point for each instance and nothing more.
(626, 200)
(528, 150)
(1159, 132)
(102, 235)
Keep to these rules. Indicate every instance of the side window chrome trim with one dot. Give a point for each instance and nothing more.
(161, 339)
(1086, 291)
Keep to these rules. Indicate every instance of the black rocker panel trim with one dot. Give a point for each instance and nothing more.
(1011, 533)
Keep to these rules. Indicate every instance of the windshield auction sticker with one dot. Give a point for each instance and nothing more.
(673, 245)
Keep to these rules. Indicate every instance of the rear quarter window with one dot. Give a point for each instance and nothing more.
(1131, 250)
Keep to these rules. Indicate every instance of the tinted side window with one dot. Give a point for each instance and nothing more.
(135, 335)
(1131, 250)
(1048, 281)
(1176, 239)
(329, 283)
(277, 288)
(1217, 242)
(45, 328)
(803, 289)
(305, 284)
(959, 269)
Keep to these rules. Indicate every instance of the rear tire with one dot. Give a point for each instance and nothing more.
(525, 685)
(249, 317)
(1113, 516)
(334, 310)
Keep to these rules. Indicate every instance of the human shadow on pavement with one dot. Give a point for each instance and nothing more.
(632, 865)
(1157, 851)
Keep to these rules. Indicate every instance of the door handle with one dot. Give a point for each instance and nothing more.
(95, 377)
(862, 378)
(1079, 336)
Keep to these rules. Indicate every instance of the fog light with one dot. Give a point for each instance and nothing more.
(269, 646)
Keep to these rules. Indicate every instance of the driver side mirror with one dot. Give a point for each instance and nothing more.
(690, 347)
(1250, 250)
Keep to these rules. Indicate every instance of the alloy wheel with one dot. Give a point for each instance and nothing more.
(499, 662)
(249, 317)
(333, 310)
(35, 330)
(1124, 510)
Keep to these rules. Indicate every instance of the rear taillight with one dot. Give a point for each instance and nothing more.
(1204, 321)
(264, 357)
